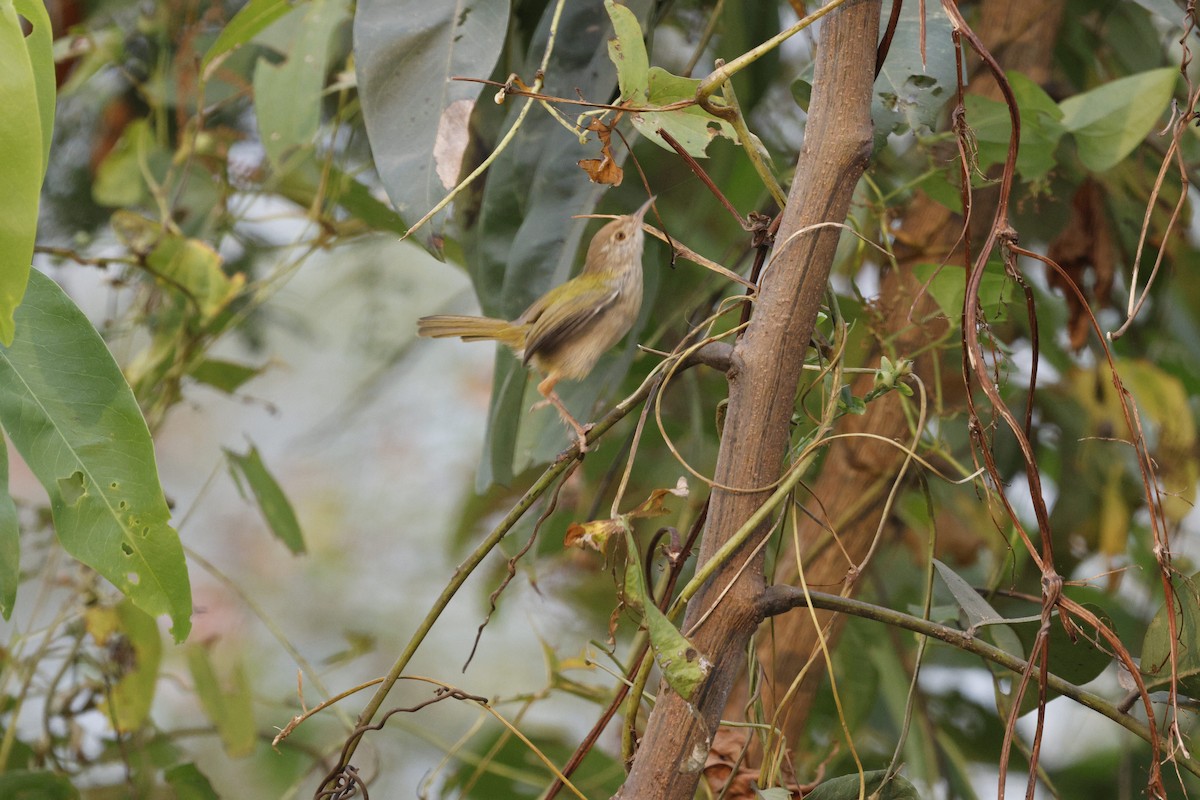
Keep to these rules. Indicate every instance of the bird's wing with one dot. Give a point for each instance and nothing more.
(550, 326)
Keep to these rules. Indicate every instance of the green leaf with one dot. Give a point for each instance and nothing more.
(405, 55)
(683, 666)
(10, 540)
(1078, 661)
(194, 267)
(1041, 128)
(67, 409)
(22, 166)
(254, 17)
(228, 376)
(287, 96)
(1156, 647)
(947, 284)
(691, 126)
(628, 53)
(908, 94)
(272, 502)
(230, 707)
(979, 612)
(120, 182)
(29, 785)
(189, 783)
(1110, 120)
(40, 43)
(847, 787)
(128, 703)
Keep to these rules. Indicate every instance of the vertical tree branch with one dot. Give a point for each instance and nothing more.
(762, 389)
(1023, 36)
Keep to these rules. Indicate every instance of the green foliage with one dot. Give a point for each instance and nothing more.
(229, 704)
(877, 783)
(69, 412)
(223, 148)
(272, 502)
(27, 95)
(1157, 666)
(913, 87)
(415, 114)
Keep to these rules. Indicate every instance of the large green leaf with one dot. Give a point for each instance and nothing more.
(1110, 120)
(40, 43)
(24, 161)
(909, 94)
(524, 240)
(73, 418)
(287, 96)
(10, 540)
(405, 55)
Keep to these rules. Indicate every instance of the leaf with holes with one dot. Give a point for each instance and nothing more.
(683, 666)
(72, 417)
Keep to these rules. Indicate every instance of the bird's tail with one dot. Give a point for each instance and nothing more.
(472, 329)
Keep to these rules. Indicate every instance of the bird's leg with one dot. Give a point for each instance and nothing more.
(546, 389)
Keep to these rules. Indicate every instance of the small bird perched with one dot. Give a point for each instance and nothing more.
(567, 329)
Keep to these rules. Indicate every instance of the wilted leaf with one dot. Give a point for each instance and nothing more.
(652, 506)
(1086, 243)
(604, 169)
(594, 534)
(136, 649)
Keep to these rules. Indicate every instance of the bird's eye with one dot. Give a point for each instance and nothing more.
(620, 236)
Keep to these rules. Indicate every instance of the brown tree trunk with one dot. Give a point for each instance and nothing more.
(1021, 36)
(763, 380)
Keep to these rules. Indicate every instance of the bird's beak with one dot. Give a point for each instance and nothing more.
(641, 212)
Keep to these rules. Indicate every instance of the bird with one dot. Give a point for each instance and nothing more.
(566, 330)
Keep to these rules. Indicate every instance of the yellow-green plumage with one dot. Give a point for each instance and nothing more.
(565, 331)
